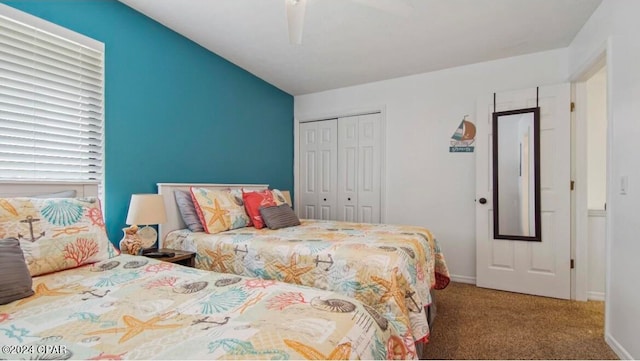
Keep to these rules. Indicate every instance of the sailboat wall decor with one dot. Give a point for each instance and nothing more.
(463, 138)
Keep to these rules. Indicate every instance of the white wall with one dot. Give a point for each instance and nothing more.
(597, 139)
(615, 26)
(425, 184)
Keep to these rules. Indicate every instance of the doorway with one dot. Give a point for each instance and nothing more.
(589, 172)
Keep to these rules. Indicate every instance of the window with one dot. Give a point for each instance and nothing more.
(51, 101)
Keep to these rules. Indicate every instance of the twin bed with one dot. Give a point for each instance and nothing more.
(131, 307)
(390, 268)
(369, 288)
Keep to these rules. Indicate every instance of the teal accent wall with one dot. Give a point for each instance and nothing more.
(174, 111)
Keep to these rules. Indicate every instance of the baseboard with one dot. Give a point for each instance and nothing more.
(617, 348)
(595, 296)
(463, 279)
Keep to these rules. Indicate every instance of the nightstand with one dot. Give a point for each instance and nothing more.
(184, 258)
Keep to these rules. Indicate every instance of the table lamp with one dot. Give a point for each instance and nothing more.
(146, 209)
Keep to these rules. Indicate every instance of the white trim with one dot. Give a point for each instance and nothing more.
(592, 64)
(595, 296)
(463, 279)
(597, 213)
(610, 205)
(45, 182)
(50, 27)
(622, 353)
(580, 226)
(382, 110)
(33, 188)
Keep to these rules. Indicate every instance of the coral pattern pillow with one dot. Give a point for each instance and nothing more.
(57, 233)
(253, 201)
(219, 210)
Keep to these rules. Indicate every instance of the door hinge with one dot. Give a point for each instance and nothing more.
(572, 186)
(573, 106)
(573, 264)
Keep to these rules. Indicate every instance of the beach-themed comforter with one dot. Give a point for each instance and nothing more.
(391, 268)
(138, 308)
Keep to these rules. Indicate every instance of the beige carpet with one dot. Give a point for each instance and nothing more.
(477, 323)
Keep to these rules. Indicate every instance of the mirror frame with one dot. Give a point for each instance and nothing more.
(537, 237)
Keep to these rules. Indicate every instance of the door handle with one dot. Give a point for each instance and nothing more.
(482, 200)
(349, 198)
(325, 199)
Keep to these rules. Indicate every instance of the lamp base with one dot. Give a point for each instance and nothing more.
(148, 236)
(130, 242)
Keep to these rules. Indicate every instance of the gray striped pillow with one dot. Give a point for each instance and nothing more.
(277, 217)
(188, 210)
(15, 279)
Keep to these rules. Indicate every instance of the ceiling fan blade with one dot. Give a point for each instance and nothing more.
(399, 7)
(295, 18)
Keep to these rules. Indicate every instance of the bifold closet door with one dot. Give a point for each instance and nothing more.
(318, 169)
(359, 168)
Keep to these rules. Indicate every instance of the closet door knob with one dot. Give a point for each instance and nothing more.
(325, 199)
(349, 198)
(482, 200)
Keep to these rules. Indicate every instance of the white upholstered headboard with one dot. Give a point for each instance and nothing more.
(34, 188)
(174, 219)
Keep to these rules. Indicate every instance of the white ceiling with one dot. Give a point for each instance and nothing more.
(346, 43)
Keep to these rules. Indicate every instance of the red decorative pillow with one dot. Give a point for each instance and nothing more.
(253, 201)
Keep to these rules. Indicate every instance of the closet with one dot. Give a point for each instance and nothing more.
(340, 169)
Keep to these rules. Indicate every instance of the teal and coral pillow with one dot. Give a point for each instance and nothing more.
(219, 210)
(57, 233)
(253, 201)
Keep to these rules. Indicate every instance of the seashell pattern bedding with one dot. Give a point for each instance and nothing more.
(132, 307)
(389, 268)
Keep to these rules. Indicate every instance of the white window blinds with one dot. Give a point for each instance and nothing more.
(51, 104)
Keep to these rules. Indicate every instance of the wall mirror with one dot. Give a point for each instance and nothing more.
(516, 175)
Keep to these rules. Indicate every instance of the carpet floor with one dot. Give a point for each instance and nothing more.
(482, 324)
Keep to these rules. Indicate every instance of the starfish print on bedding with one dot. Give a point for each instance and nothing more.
(291, 272)
(341, 352)
(218, 214)
(251, 302)
(41, 291)
(134, 327)
(393, 290)
(218, 258)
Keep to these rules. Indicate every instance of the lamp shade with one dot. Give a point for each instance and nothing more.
(146, 209)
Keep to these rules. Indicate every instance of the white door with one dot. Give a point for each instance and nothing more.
(359, 168)
(539, 268)
(308, 165)
(327, 177)
(348, 169)
(369, 158)
(318, 165)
